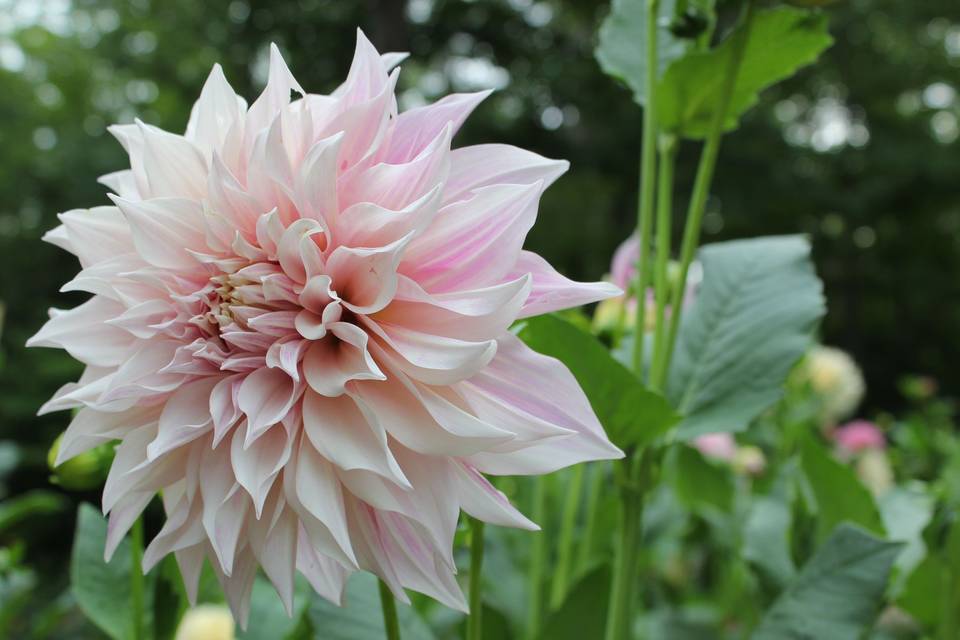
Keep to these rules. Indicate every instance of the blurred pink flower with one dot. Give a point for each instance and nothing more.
(719, 446)
(623, 267)
(858, 436)
(299, 334)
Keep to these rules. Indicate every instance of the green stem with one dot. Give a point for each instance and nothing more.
(625, 566)
(594, 488)
(571, 508)
(538, 558)
(668, 158)
(136, 578)
(475, 619)
(701, 186)
(648, 169)
(389, 606)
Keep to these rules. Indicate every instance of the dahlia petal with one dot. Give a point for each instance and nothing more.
(190, 562)
(367, 76)
(286, 354)
(225, 507)
(174, 167)
(122, 517)
(482, 165)
(84, 333)
(327, 577)
(289, 248)
(238, 586)
(275, 96)
(331, 363)
(474, 242)
(266, 396)
(131, 473)
(274, 543)
(257, 463)
(473, 315)
(485, 502)
(396, 186)
(364, 125)
(229, 199)
(163, 228)
(214, 113)
(317, 492)
(554, 292)
(316, 187)
(142, 319)
(366, 533)
(96, 234)
(317, 294)
(182, 530)
(416, 128)
(123, 183)
(390, 59)
(344, 432)
(426, 425)
(90, 428)
(432, 359)
(185, 417)
(557, 399)
(58, 238)
(370, 225)
(366, 279)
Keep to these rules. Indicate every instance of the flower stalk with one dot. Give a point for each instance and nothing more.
(475, 619)
(568, 524)
(648, 169)
(136, 579)
(538, 558)
(701, 187)
(668, 159)
(391, 623)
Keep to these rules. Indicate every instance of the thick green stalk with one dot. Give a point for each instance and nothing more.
(475, 619)
(668, 158)
(538, 558)
(594, 487)
(625, 566)
(701, 186)
(648, 172)
(389, 606)
(571, 508)
(136, 579)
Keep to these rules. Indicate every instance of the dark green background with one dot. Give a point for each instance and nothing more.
(883, 209)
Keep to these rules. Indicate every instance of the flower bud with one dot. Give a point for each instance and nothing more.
(749, 460)
(834, 376)
(82, 472)
(875, 472)
(206, 622)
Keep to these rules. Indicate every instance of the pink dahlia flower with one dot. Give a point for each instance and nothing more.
(299, 335)
(719, 446)
(858, 436)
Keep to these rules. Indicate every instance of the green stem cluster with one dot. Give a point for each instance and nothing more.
(475, 619)
(136, 579)
(391, 623)
(637, 472)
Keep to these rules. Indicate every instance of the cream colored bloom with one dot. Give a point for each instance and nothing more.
(837, 379)
(206, 622)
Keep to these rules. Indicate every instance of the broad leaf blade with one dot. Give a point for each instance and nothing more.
(630, 413)
(781, 40)
(102, 589)
(360, 618)
(583, 610)
(268, 617)
(766, 538)
(699, 483)
(752, 320)
(622, 47)
(838, 592)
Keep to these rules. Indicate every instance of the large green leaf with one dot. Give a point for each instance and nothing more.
(360, 617)
(621, 50)
(268, 617)
(838, 592)
(766, 538)
(630, 413)
(753, 318)
(838, 494)
(699, 483)
(102, 589)
(781, 40)
(906, 511)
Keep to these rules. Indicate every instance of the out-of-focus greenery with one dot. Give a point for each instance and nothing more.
(859, 151)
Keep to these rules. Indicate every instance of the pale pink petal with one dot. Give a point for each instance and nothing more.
(551, 291)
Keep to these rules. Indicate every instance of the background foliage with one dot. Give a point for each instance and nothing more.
(859, 151)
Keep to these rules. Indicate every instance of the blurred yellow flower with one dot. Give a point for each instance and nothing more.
(836, 378)
(206, 622)
(875, 472)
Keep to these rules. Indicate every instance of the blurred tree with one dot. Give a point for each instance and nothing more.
(859, 151)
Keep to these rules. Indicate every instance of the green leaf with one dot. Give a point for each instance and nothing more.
(360, 617)
(30, 504)
(906, 511)
(630, 413)
(922, 596)
(699, 483)
(102, 589)
(781, 41)
(622, 47)
(838, 592)
(583, 613)
(766, 539)
(268, 618)
(752, 320)
(837, 492)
